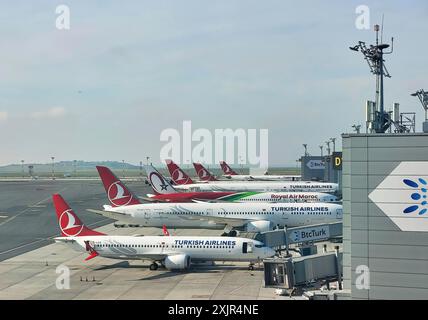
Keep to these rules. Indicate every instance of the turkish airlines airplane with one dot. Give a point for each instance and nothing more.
(165, 192)
(172, 252)
(184, 182)
(229, 173)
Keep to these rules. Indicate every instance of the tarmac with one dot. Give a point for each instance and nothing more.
(33, 267)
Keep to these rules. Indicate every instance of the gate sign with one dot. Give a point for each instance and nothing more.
(316, 164)
(309, 234)
(337, 160)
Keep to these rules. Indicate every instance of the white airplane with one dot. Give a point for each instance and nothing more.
(172, 252)
(248, 217)
(165, 192)
(184, 182)
(229, 173)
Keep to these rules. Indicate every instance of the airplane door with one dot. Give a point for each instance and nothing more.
(247, 247)
(146, 216)
(210, 212)
(339, 213)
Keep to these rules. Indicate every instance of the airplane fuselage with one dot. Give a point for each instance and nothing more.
(272, 197)
(288, 186)
(220, 215)
(156, 248)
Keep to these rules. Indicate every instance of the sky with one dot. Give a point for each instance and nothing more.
(126, 70)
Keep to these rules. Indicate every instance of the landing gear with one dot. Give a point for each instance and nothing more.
(251, 267)
(154, 266)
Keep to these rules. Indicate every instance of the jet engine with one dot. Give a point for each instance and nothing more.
(179, 261)
(259, 226)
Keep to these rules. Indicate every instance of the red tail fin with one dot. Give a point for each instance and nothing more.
(226, 169)
(203, 173)
(118, 194)
(69, 222)
(177, 175)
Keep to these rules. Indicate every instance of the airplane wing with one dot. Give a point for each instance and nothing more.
(233, 222)
(112, 215)
(64, 240)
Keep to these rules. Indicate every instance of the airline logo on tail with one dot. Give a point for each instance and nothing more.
(226, 169)
(203, 173)
(177, 175)
(70, 224)
(118, 194)
(68, 221)
(157, 181)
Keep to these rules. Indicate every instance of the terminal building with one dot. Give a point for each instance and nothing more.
(385, 218)
(383, 175)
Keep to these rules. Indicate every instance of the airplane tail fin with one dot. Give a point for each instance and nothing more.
(227, 169)
(178, 176)
(69, 222)
(159, 184)
(203, 173)
(118, 194)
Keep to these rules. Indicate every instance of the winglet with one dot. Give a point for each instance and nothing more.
(165, 231)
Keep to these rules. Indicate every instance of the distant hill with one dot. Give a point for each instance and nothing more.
(66, 167)
(87, 169)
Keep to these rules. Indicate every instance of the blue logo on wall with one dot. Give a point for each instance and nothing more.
(421, 196)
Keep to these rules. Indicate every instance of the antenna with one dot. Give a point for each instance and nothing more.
(373, 54)
(423, 98)
(357, 128)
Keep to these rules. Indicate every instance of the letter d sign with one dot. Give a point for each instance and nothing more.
(337, 158)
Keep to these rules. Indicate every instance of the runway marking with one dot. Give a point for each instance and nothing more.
(3, 217)
(43, 239)
(28, 208)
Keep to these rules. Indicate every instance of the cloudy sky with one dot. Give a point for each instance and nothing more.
(125, 71)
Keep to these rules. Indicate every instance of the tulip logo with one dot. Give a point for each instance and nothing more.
(419, 195)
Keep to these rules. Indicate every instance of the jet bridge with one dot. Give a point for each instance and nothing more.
(282, 238)
(311, 269)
